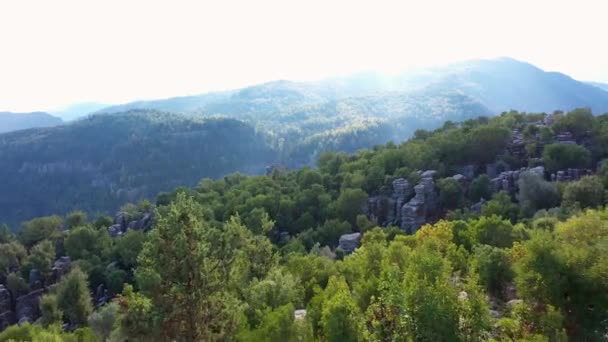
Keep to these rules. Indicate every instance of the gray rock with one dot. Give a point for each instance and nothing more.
(413, 213)
(35, 279)
(7, 315)
(121, 219)
(299, 314)
(115, 230)
(27, 307)
(380, 209)
(460, 178)
(428, 174)
(539, 170)
(60, 268)
(468, 171)
(349, 242)
(476, 208)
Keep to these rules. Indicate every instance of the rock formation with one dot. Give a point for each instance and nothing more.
(7, 316)
(349, 242)
(423, 206)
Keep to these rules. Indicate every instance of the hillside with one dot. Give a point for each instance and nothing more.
(499, 85)
(17, 121)
(98, 162)
(603, 86)
(490, 229)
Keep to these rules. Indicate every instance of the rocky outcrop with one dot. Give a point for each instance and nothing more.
(468, 171)
(7, 316)
(384, 209)
(60, 268)
(517, 146)
(506, 181)
(349, 242)
(565, 138)
(423, 206)
(569, 175)
(122, 223)
(476, 208)
(35, 279)
(27, 307)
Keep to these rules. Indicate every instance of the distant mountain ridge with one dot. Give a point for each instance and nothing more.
(499, 85)
(100, 161)
(603, 86)
(10, 121)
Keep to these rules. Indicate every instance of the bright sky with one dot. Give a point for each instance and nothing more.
(53, 53)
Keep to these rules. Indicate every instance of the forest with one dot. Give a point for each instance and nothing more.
(489, 229)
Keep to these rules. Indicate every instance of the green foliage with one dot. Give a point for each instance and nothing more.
(189, 262)
(480, 188)
(493, 266)
(75, 219)
(501, 205)
(73, 297)
(349, 204)
(128, 246)
(492, 230)
(41, 257)
(16, 284)
(49, 309)
(563, 156)
(535, 193)
(341, 319)
(105, 320)
(39, 229)
(451, 194)
(588, 192)
(12, 255)
(138, 321)
(85, 242)
(5, 234)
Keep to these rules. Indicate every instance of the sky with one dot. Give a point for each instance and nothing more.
(55, 53)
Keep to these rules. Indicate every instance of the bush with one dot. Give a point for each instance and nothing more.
(588, 192)
(563, 156)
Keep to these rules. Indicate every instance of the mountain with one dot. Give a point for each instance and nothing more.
(101, 161)
(499, 84)
(78, 110)
(603, 86)
(17, 121)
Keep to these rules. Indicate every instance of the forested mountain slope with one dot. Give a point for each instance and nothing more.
(98, 162)
(483, 230)
(18, 121)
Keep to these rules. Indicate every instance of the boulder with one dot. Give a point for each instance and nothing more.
(539, 170)
(27, 307)
(299, 314)
(428, 174)
(60, 268)
(7, 316)
(349, 242)
(115, 230)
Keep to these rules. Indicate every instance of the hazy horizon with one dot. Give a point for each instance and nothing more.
(68, 52)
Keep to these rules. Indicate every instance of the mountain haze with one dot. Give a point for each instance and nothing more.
(17, 121)
(133, 151)
(499, 84)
